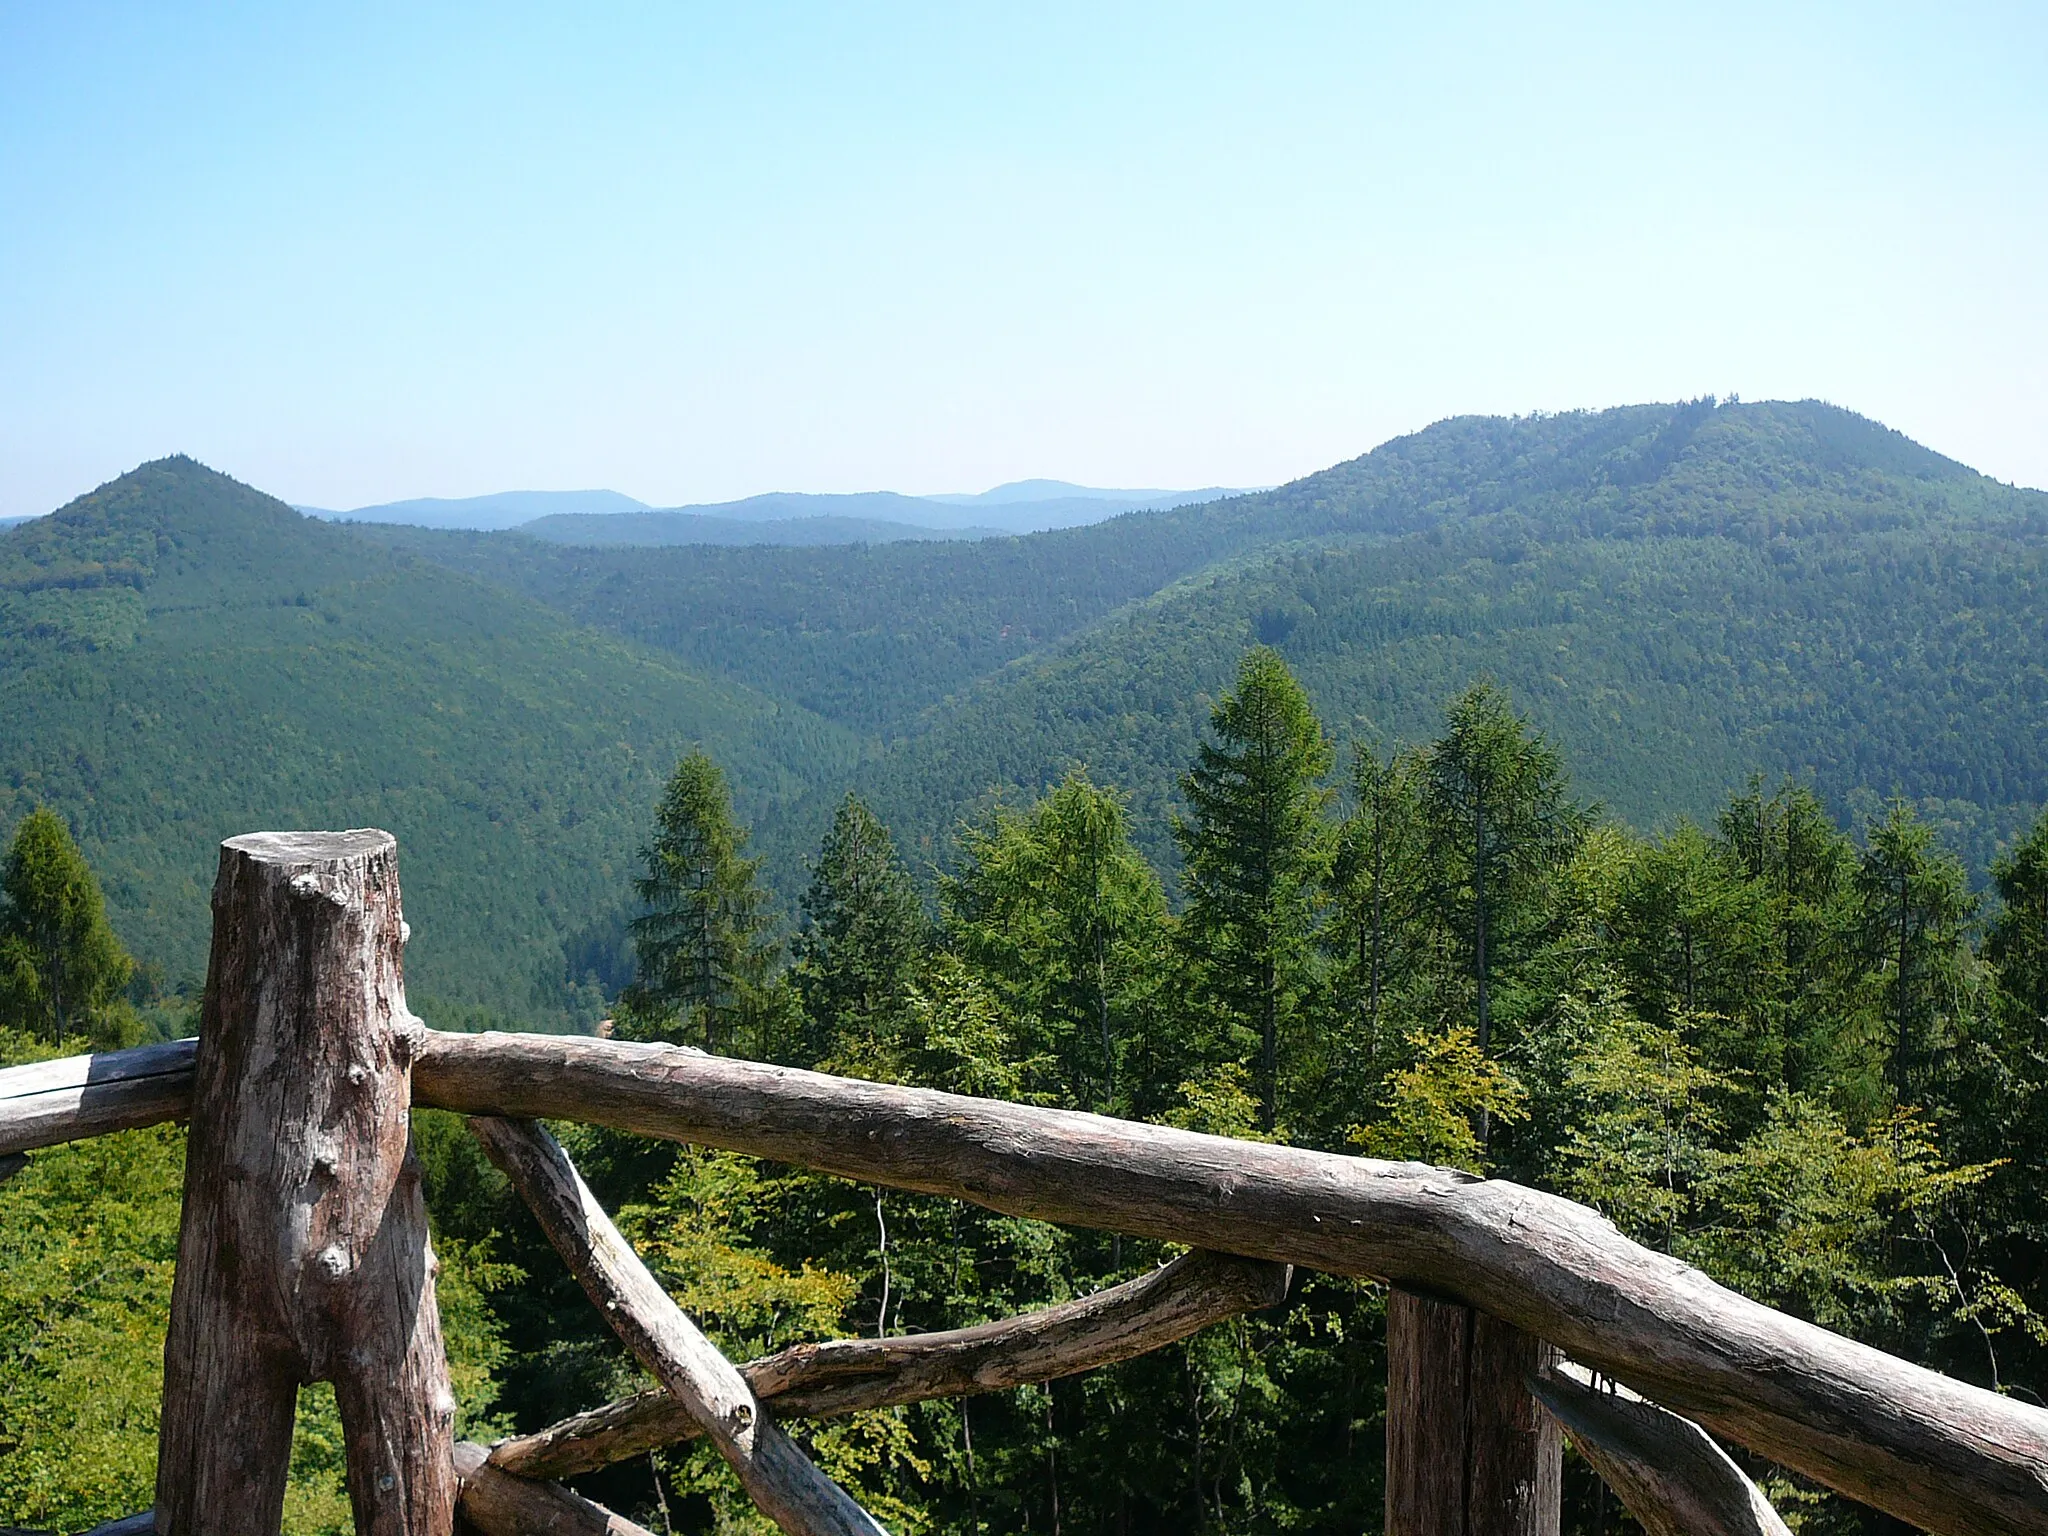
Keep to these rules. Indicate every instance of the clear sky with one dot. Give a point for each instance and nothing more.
(691, 252)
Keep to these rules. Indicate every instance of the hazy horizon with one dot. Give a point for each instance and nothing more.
(356, 258)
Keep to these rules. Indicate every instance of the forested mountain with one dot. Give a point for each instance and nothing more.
(183, 658)
(1218, 869)
(1681, 594)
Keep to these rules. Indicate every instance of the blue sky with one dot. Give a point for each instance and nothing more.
(693, 252)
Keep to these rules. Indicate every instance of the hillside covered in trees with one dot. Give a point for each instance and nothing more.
(1814, 1064)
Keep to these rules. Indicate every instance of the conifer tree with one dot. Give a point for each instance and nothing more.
(862, 934)
(1068, 921)
(62, 971)
(1256, 850)
(705, 958)
(1501, 823)
(1914, 903)
(1377, 884)
(2017, 943)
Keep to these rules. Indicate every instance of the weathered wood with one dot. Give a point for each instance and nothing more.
(48, 1102)
(143, 1524)
(1667, 1471)
(303, 1254)
(783, 1482)
(845, 1376)
(1469, 1453)
(496, 1503)
(1949, 1457)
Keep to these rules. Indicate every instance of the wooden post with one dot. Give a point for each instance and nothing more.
(303, 1254)
(1469, 1453)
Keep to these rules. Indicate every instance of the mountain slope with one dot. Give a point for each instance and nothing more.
(183, 658)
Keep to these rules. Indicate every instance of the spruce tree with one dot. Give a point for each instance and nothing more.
(1255, 846)
(862, 934)
(62, 971)
(705, 958)
(1501, 824)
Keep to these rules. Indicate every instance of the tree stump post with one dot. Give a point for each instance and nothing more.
(1469, 1452)
(303, 1253)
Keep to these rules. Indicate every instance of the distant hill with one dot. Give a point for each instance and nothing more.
(1682, 594)
(9, 522)
(503, 509)
(1065, 490)
(1024, 506)
(183, 658)
(1679, 594)
(659, 528)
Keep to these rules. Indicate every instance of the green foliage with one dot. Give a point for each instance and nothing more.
(862, 935)
(702, 939)
(1255, 846)
(1067, 923)
(2017, 943)
(1433, 1102)
(61, 968)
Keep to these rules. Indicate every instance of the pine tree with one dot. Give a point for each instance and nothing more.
(1500, 826)
(1256, 849)
(705, 959)
(62, 970)
(862, 934)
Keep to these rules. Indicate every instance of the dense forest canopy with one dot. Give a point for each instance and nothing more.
(1813, 1063)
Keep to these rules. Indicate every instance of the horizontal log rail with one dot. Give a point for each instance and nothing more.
(842, 1376)
(1951, 1458)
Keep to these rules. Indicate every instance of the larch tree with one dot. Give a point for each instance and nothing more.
(1067, 920)
(1256, 845)
(62, 971)
(2017, 942)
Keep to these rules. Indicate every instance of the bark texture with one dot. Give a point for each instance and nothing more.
(849, 1375)
(495, 1503)
(47, 1102)
(303, 1254)
(781, 1480)
(1667, 1471)
(1469, 1452)
(1946, 1456)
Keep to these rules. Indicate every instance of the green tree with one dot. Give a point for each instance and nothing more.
(61, 968)
(1255, 846)
(1501, 824)
(1914, 904)
(2017, 942)
(705, 959)
(862, 934)
(1378, 881)
(1068, 923)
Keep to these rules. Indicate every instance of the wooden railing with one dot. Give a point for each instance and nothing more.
(304, 1256)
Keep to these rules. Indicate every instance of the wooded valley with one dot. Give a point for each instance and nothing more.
(1642, 805)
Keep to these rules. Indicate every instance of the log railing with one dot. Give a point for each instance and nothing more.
(303, 1256)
